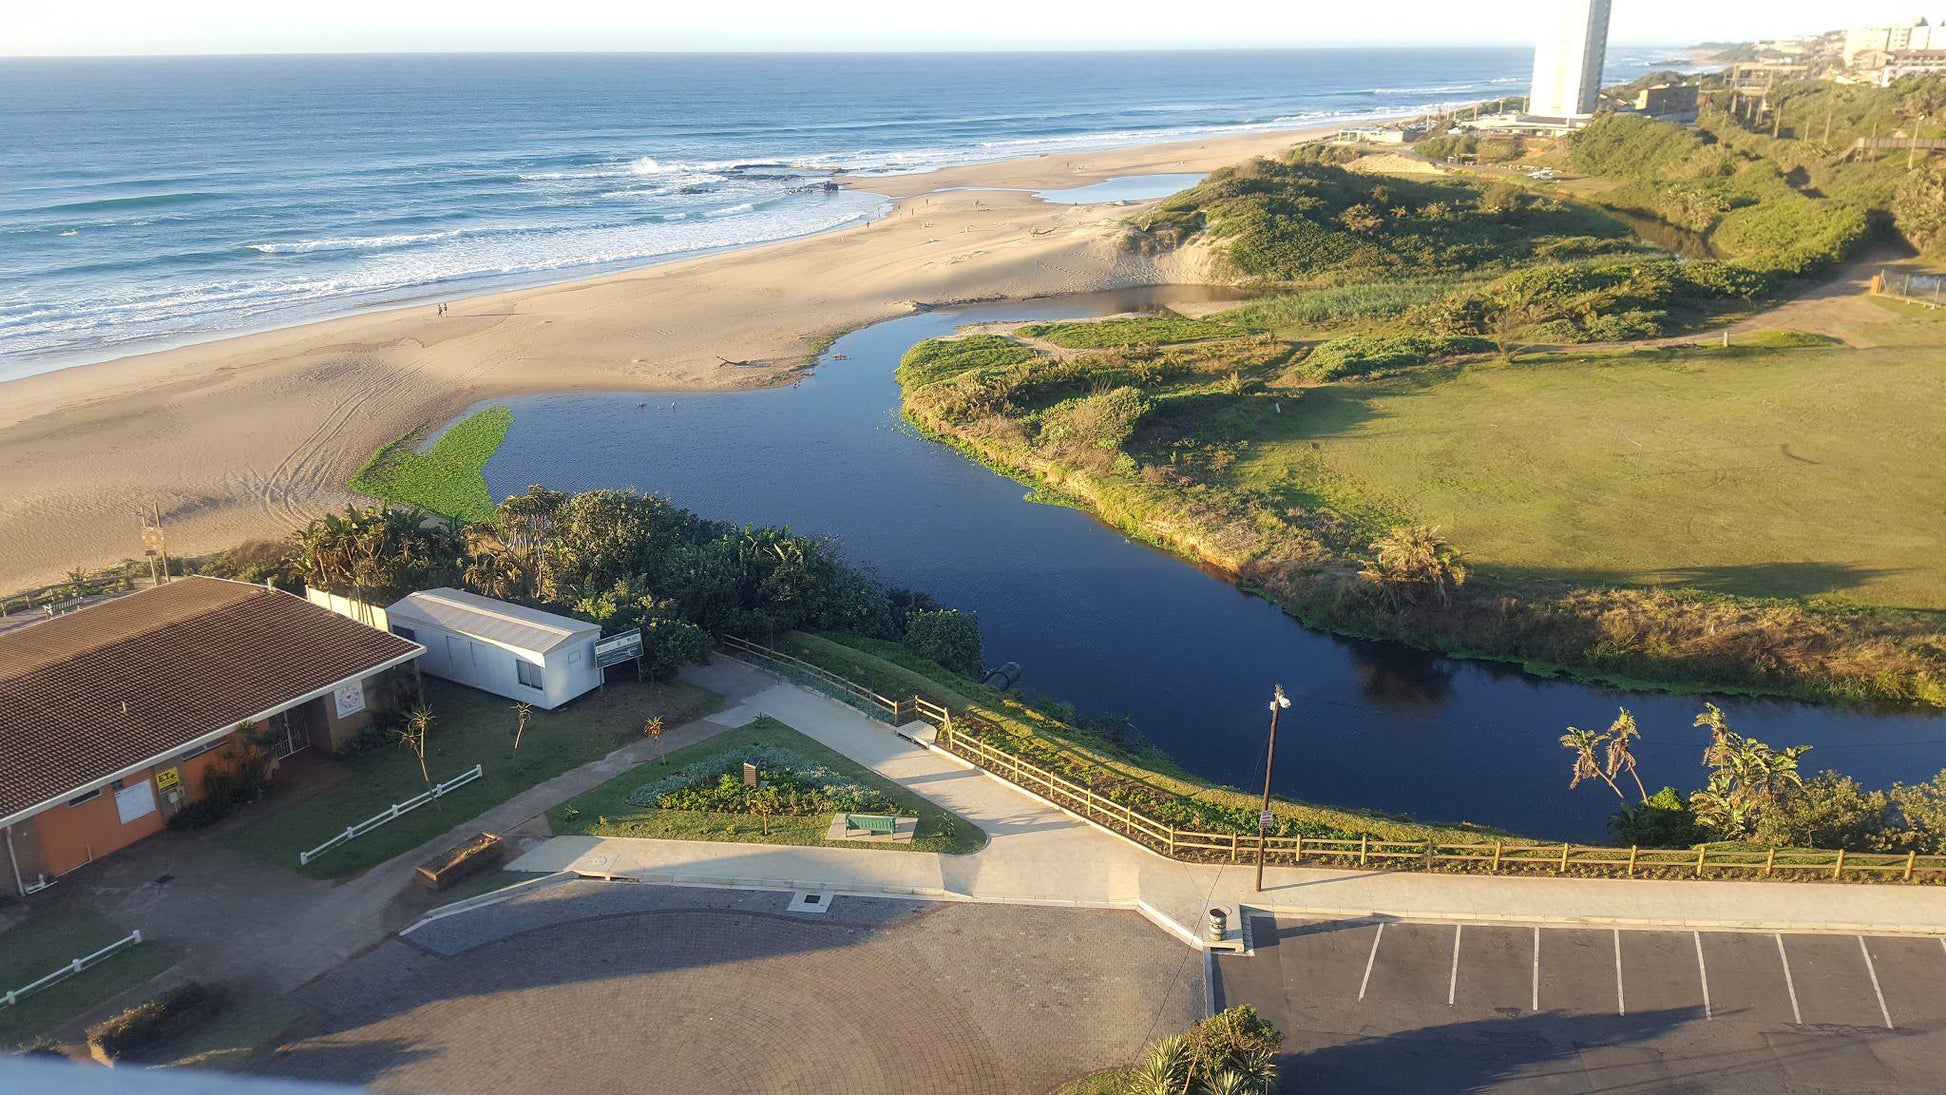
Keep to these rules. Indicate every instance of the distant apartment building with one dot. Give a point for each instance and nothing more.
(1865, 46)
(1668, 102)
(1568, 61)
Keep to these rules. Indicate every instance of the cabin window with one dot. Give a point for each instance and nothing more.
(405, 633)
(529, 674)
(89, 796)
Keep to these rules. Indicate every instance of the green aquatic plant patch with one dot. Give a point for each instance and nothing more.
(445, 477)
(1142, 331)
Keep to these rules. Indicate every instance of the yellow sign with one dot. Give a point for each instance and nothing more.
(168, 779)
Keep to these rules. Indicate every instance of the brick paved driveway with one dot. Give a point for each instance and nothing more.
(608, 987)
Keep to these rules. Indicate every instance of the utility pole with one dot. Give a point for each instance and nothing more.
(1278, 702)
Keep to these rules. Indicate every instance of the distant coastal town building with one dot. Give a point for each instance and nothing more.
(1568, 61)
(1916, 35)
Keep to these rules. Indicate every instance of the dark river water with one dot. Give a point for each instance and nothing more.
(1115, 627)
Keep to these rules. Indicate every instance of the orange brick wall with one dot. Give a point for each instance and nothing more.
(62, 838)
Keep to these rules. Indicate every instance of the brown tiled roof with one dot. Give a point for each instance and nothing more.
(188, 658)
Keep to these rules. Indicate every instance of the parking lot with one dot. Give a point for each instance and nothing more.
(1376, 1006)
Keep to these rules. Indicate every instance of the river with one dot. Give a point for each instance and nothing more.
(1116, 627)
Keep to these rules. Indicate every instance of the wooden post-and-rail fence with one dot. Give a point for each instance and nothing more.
(965, 735)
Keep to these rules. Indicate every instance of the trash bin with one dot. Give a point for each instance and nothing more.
(1219, 924)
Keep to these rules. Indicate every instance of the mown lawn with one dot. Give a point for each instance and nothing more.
(469, 727)
(445, 477)
(51, 936)
(1761, 472)
(606, 811)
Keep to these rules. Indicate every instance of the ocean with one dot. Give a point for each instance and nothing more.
(149, 202)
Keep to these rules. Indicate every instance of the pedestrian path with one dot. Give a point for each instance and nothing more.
(1038, 854)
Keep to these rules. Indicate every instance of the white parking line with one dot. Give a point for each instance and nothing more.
(1703, 969)
(1796, 1015)
(1621, 1001)
(1873, 970)
(1537, 969)
(1452, 982)
(1370, 958)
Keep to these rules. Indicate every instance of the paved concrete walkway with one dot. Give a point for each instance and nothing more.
(1038, 854)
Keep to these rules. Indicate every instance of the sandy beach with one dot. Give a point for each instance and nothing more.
(254, 435)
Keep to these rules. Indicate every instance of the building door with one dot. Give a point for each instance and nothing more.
(293, 733)
(459, 659)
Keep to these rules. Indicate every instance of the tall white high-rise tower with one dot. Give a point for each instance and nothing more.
(1568, 60)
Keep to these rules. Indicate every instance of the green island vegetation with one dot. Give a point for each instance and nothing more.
(697, 793)
(1462, 416)
(444, 477)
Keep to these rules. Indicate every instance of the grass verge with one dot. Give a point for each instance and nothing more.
(470, 727)
(445, 477)
(606, 811)
(60, 932)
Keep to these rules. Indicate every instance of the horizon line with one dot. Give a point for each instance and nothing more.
(834, 52)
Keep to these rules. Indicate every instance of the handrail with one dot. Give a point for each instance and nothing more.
(1496, 857)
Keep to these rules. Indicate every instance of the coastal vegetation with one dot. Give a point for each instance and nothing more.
(444, 477)
(1413, 387)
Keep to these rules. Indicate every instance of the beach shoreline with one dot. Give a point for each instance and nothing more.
(251, 435)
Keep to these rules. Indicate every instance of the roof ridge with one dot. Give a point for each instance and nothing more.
(434, 594)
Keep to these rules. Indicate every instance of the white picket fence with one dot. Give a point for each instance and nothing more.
(392, 814)
(14, 996)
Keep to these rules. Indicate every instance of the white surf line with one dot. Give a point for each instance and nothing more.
(1621, 1001)
(1537, 970)
(1879, 992)
(1452, 981)
(1796, 1015)
(1369, 959)
(1703, 969)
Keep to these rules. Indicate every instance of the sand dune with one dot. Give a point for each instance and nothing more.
(253, 435)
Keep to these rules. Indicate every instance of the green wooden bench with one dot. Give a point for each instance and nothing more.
(871, 824)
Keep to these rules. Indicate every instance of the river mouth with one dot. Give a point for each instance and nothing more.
(1120, 629)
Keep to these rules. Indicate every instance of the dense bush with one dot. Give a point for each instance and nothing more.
(1104, 420)
(947, 636)
(1596, 301)
(1294, 219)
(1664, 821)
(1354, 355)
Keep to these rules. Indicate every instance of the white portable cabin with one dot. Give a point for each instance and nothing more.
(506, 649)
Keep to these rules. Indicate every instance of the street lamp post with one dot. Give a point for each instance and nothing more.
(1278, 702)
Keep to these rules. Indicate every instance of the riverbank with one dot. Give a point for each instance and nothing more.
(1219, 451)
(252, 436)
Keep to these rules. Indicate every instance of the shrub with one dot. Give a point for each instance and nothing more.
(152, 1023)
(1828, 811)
(1354, 355)
(1104, 420)
(947, 636)
(1664, 821)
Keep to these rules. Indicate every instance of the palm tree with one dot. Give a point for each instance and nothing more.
(1412, 559)
(1620, 756)
(1583, 744)
(1720, 735)
(418, 725)
(522, 712)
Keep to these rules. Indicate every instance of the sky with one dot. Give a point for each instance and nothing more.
(84, 27)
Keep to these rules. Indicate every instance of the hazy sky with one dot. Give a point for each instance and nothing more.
(57, 27)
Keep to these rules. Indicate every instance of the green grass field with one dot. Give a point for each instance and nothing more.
(469, 727)
(1781, 472)
(55, 934)
(1135, 331)
(445, 477)
(606, 811)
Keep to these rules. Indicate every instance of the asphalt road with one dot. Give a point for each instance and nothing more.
(1372, 1006)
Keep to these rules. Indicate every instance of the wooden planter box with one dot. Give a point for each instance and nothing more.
(481, 853)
